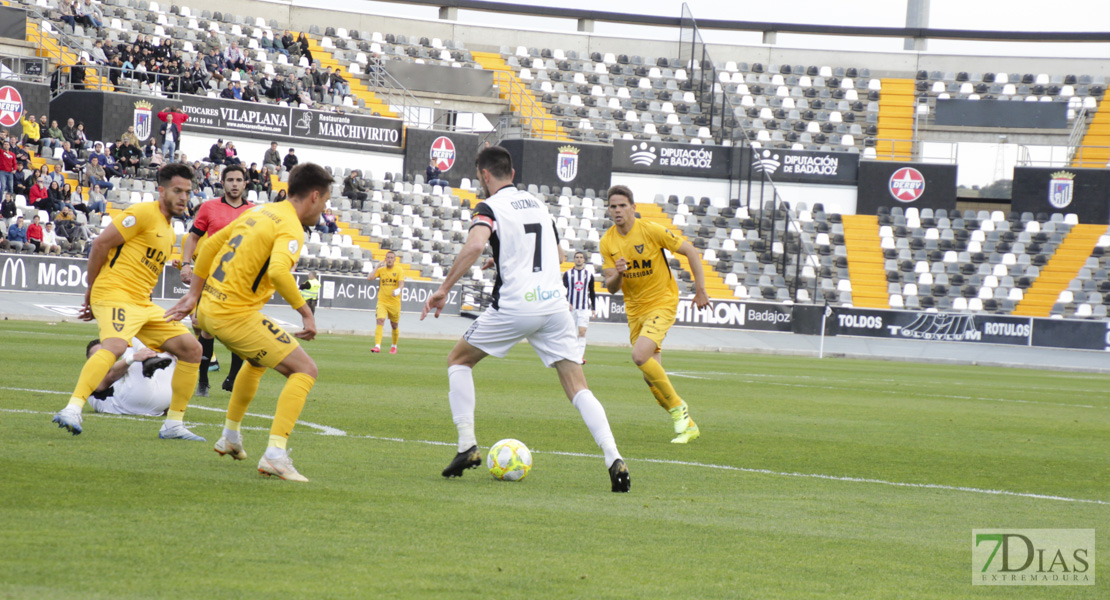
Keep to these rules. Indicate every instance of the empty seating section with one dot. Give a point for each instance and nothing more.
(970, 261)
(605, 96)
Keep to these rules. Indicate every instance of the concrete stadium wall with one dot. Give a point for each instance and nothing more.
(485, 38)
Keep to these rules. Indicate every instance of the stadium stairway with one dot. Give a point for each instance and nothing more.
(714, 285)
(521, 100)
(376, 251)
(896, 106)
(50, 48)
(1060, 270)
(358, 88)
(865, 261)
(1096, 141)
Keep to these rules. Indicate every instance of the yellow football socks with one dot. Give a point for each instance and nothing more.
(183, 383)
(246, 385)
(378, 335)
(658, 396)
(289, 405)
(96, 367)
(396, 335)
(657, 379)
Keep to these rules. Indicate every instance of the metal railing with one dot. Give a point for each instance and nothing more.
(31, 69)
(532, 118)
(1078, 130)
(755, 185)
(936, 151)
(395, 95)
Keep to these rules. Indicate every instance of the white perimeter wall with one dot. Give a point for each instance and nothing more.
(195, 146)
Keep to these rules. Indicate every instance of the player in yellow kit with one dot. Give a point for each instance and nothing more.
(633, 261)
(124, 265)
(238, 271)
(392, 281)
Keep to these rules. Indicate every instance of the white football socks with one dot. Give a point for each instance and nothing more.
(461, 396)
(582, 347)
(594, 415)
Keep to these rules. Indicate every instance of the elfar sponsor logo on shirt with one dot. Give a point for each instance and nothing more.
(540, 295)
(907, 184)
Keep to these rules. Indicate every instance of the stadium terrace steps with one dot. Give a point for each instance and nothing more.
(523, 103)
(714, 285)
(376, 251)
(1060, 270)
(865, 261)
(896, 106)
(50, 48)
(358, 88)
(1095, 147)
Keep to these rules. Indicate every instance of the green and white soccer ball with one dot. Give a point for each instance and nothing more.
(509, 460)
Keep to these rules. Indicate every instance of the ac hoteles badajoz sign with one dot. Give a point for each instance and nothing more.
(295, 125)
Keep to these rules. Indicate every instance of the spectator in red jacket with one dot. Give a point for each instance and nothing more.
(174, 118)
(37, 196)
(34, 234)
(8, 165)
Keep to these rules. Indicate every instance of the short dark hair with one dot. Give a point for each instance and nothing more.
(496, 160)
(90, 345)
(621, 190)
(577, 252)
(231, 168)
(168, 172)
(306, 178)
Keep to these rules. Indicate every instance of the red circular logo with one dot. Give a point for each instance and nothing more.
(11, 106)
(907, 184)
(443, 152)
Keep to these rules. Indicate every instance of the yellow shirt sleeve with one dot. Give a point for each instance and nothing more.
(132, 222)
(283, 256)
(203, 266)
(665, 237)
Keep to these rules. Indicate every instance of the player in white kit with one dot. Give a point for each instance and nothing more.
(139, 383)
(528, 303)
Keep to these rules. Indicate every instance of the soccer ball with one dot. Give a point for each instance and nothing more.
(509, 460)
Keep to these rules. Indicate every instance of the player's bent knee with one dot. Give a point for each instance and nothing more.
(116, 346)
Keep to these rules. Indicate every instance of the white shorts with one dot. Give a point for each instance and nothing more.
(553, 336)
(582, 318)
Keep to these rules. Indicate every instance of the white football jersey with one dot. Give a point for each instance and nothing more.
(526, 250)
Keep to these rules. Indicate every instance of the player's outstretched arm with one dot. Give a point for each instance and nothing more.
(614, 275)
(308, 322)
(188, 249)
(701, 297)
(471, 250)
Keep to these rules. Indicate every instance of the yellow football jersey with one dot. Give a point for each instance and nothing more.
(132, 268)
(648, 283)
(389, 280)
(250, 258)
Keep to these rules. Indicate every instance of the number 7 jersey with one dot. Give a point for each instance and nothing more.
(526, 250)
(250, 258)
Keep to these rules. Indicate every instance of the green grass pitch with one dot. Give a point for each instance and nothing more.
(812, 479)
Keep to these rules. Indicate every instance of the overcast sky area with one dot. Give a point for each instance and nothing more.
(978, 162)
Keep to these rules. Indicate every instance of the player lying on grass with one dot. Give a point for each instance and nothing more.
(140, 383)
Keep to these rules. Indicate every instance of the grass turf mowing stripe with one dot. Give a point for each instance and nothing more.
(331, 431)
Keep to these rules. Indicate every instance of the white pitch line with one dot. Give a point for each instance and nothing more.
(930, 486)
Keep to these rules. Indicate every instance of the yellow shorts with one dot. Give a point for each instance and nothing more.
(389, 310)
(254, 336)
(145, 321)
(653, 325)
